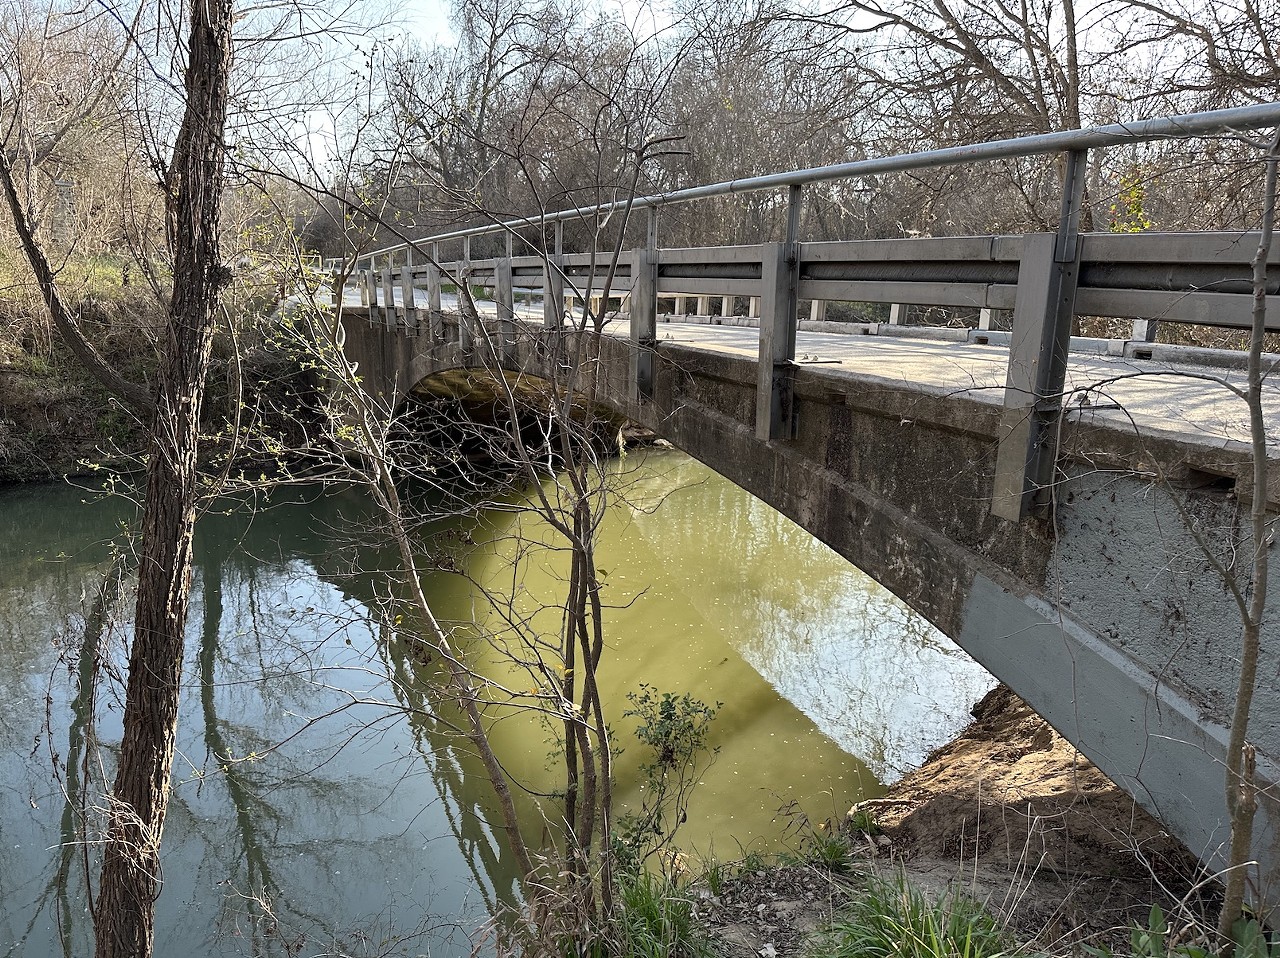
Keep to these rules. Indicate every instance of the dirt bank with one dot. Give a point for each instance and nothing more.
(55, 419)
(1008, 813)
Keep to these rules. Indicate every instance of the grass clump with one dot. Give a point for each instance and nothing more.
(892, 919)
(655, 920)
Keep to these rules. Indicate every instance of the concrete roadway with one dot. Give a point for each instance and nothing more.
(1174, 398)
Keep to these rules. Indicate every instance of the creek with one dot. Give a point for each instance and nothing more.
(320, 802)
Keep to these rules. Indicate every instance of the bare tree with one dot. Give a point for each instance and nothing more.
(124, 918)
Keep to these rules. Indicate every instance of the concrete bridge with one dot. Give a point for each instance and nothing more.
(1065, 515)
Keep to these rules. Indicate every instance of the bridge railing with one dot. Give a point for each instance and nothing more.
(1044, 279)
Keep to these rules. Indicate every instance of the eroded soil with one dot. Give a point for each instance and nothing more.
(1008, 813)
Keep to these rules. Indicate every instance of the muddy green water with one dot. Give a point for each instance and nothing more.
(312, 815)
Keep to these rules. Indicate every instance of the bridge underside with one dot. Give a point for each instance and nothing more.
(1108, 619)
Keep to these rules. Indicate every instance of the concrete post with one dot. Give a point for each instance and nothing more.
(988, 318)
(388, 297)
(1144, 331)
(753, 307)
(505, 302)
(406, 294)
(680, 306)
(1043, 310)
(435, 315)
(553, 282)
(644, 322)
(466, 316)
(897, 314)
(370, 294)
(777, 340)
(704, 305)
(818, 311)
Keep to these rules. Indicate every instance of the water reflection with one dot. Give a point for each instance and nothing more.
(322, 798)
(872, 674)
(301, 816)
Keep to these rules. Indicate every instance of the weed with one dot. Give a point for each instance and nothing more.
(891, 919)
(829, 848)
(865, 822)
(1251, 941)
(656, 920)
(1158, 940)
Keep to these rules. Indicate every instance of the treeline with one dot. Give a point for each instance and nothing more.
(344, 131)
(545, 106)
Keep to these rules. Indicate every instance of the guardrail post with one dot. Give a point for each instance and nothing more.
(406, 294)
(369, 294)
(505, 303)
(553, 282)
(466, 315)
(779, 272)
(388, 297)
(818, 310)
(897, 313)
(644, 312)
(777, 340)
(435, 315)
(1043, 309)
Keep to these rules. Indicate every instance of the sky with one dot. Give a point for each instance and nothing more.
(429, 19)
(426, 22)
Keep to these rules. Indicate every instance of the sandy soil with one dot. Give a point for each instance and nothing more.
(1008, 813)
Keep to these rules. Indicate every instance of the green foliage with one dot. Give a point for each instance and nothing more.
(715, 874)
(656, 919)
(1251, 940)
(653, 918)
(864, 821)
(1128, 213)
(1158, 940)
(673, 730)
(830, 848)
(895, 920)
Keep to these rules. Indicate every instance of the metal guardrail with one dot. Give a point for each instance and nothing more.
(1211, 123)
(1046, 279)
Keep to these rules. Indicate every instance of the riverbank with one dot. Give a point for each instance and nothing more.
(56, 420)
(1008, 814)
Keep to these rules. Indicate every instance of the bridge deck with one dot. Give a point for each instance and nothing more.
(1190, 400)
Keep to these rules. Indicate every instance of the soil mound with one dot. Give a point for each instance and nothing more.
(1010, 814)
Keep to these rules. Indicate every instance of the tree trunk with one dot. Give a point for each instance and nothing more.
(124, 923)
